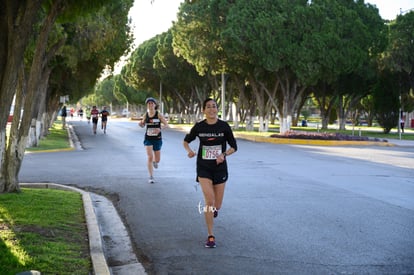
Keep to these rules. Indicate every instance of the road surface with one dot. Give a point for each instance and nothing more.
(287, 209)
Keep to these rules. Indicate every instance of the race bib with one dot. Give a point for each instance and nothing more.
(211, 152)
(152, 132)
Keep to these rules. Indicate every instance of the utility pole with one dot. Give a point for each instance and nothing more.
(162, 105)
(223, 97)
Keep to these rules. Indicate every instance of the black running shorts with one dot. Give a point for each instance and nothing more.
(218, 176)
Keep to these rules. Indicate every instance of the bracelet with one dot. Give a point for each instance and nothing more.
(224, 154)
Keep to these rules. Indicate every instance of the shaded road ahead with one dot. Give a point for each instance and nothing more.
(287, 209)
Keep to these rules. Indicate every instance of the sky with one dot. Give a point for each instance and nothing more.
(152, 19)
(389, 9)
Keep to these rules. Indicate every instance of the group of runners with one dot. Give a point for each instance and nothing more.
(95, 114)
(211, 165)
(211, 168)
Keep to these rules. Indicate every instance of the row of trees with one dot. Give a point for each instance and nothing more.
(49, 49)
(272, 54)
(277, 54)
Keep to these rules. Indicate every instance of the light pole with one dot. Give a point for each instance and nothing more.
(162, 105)
(223, 97)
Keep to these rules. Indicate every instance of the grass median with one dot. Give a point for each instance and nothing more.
(57, 139)
(44, 229)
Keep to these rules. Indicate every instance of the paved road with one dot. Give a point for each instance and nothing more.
(288, 209)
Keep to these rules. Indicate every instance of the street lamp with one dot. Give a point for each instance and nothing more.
(162, 105)
(223, 97)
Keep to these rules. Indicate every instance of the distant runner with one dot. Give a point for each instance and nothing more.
(104, 118)
(95, 116)
(153, 141)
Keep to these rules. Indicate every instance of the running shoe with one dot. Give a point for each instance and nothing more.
(211, 242)
(155, 164)
(215, 213)
(151, 179)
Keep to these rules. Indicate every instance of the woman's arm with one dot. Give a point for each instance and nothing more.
(142, 122)
(190, 152)
(164, 121)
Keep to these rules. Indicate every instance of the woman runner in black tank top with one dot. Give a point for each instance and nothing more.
(153, 121)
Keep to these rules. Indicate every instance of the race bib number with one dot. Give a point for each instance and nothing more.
(152, 132)
(94, 116)
(211, 152)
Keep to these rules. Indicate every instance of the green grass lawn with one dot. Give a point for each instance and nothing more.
(43, 230)
(57, 139)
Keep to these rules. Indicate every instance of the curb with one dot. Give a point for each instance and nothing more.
(100, 266)
(74, 143)
(311, 142)
(73, 139)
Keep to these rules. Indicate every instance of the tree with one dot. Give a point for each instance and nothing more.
(154, 66)
(351, 37)
(399, 58)
(279, 47)
(386, 100)
(139, 72)
(199, 37)
(16, 21)
(183, 87)
(32, 78)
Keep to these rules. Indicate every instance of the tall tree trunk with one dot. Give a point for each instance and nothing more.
(16, 147)
(341, 113)
(35, 132)
(9, 176)
(326, 99)
(292, 95)
(241, 88)
(16, 28)
(260, 103)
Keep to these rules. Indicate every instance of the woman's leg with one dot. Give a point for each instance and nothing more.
(209, 198)
(157, 153)
(218, 195)
(157, 156)
(150, 156)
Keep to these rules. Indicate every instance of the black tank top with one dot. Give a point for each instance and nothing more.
(152, 123)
